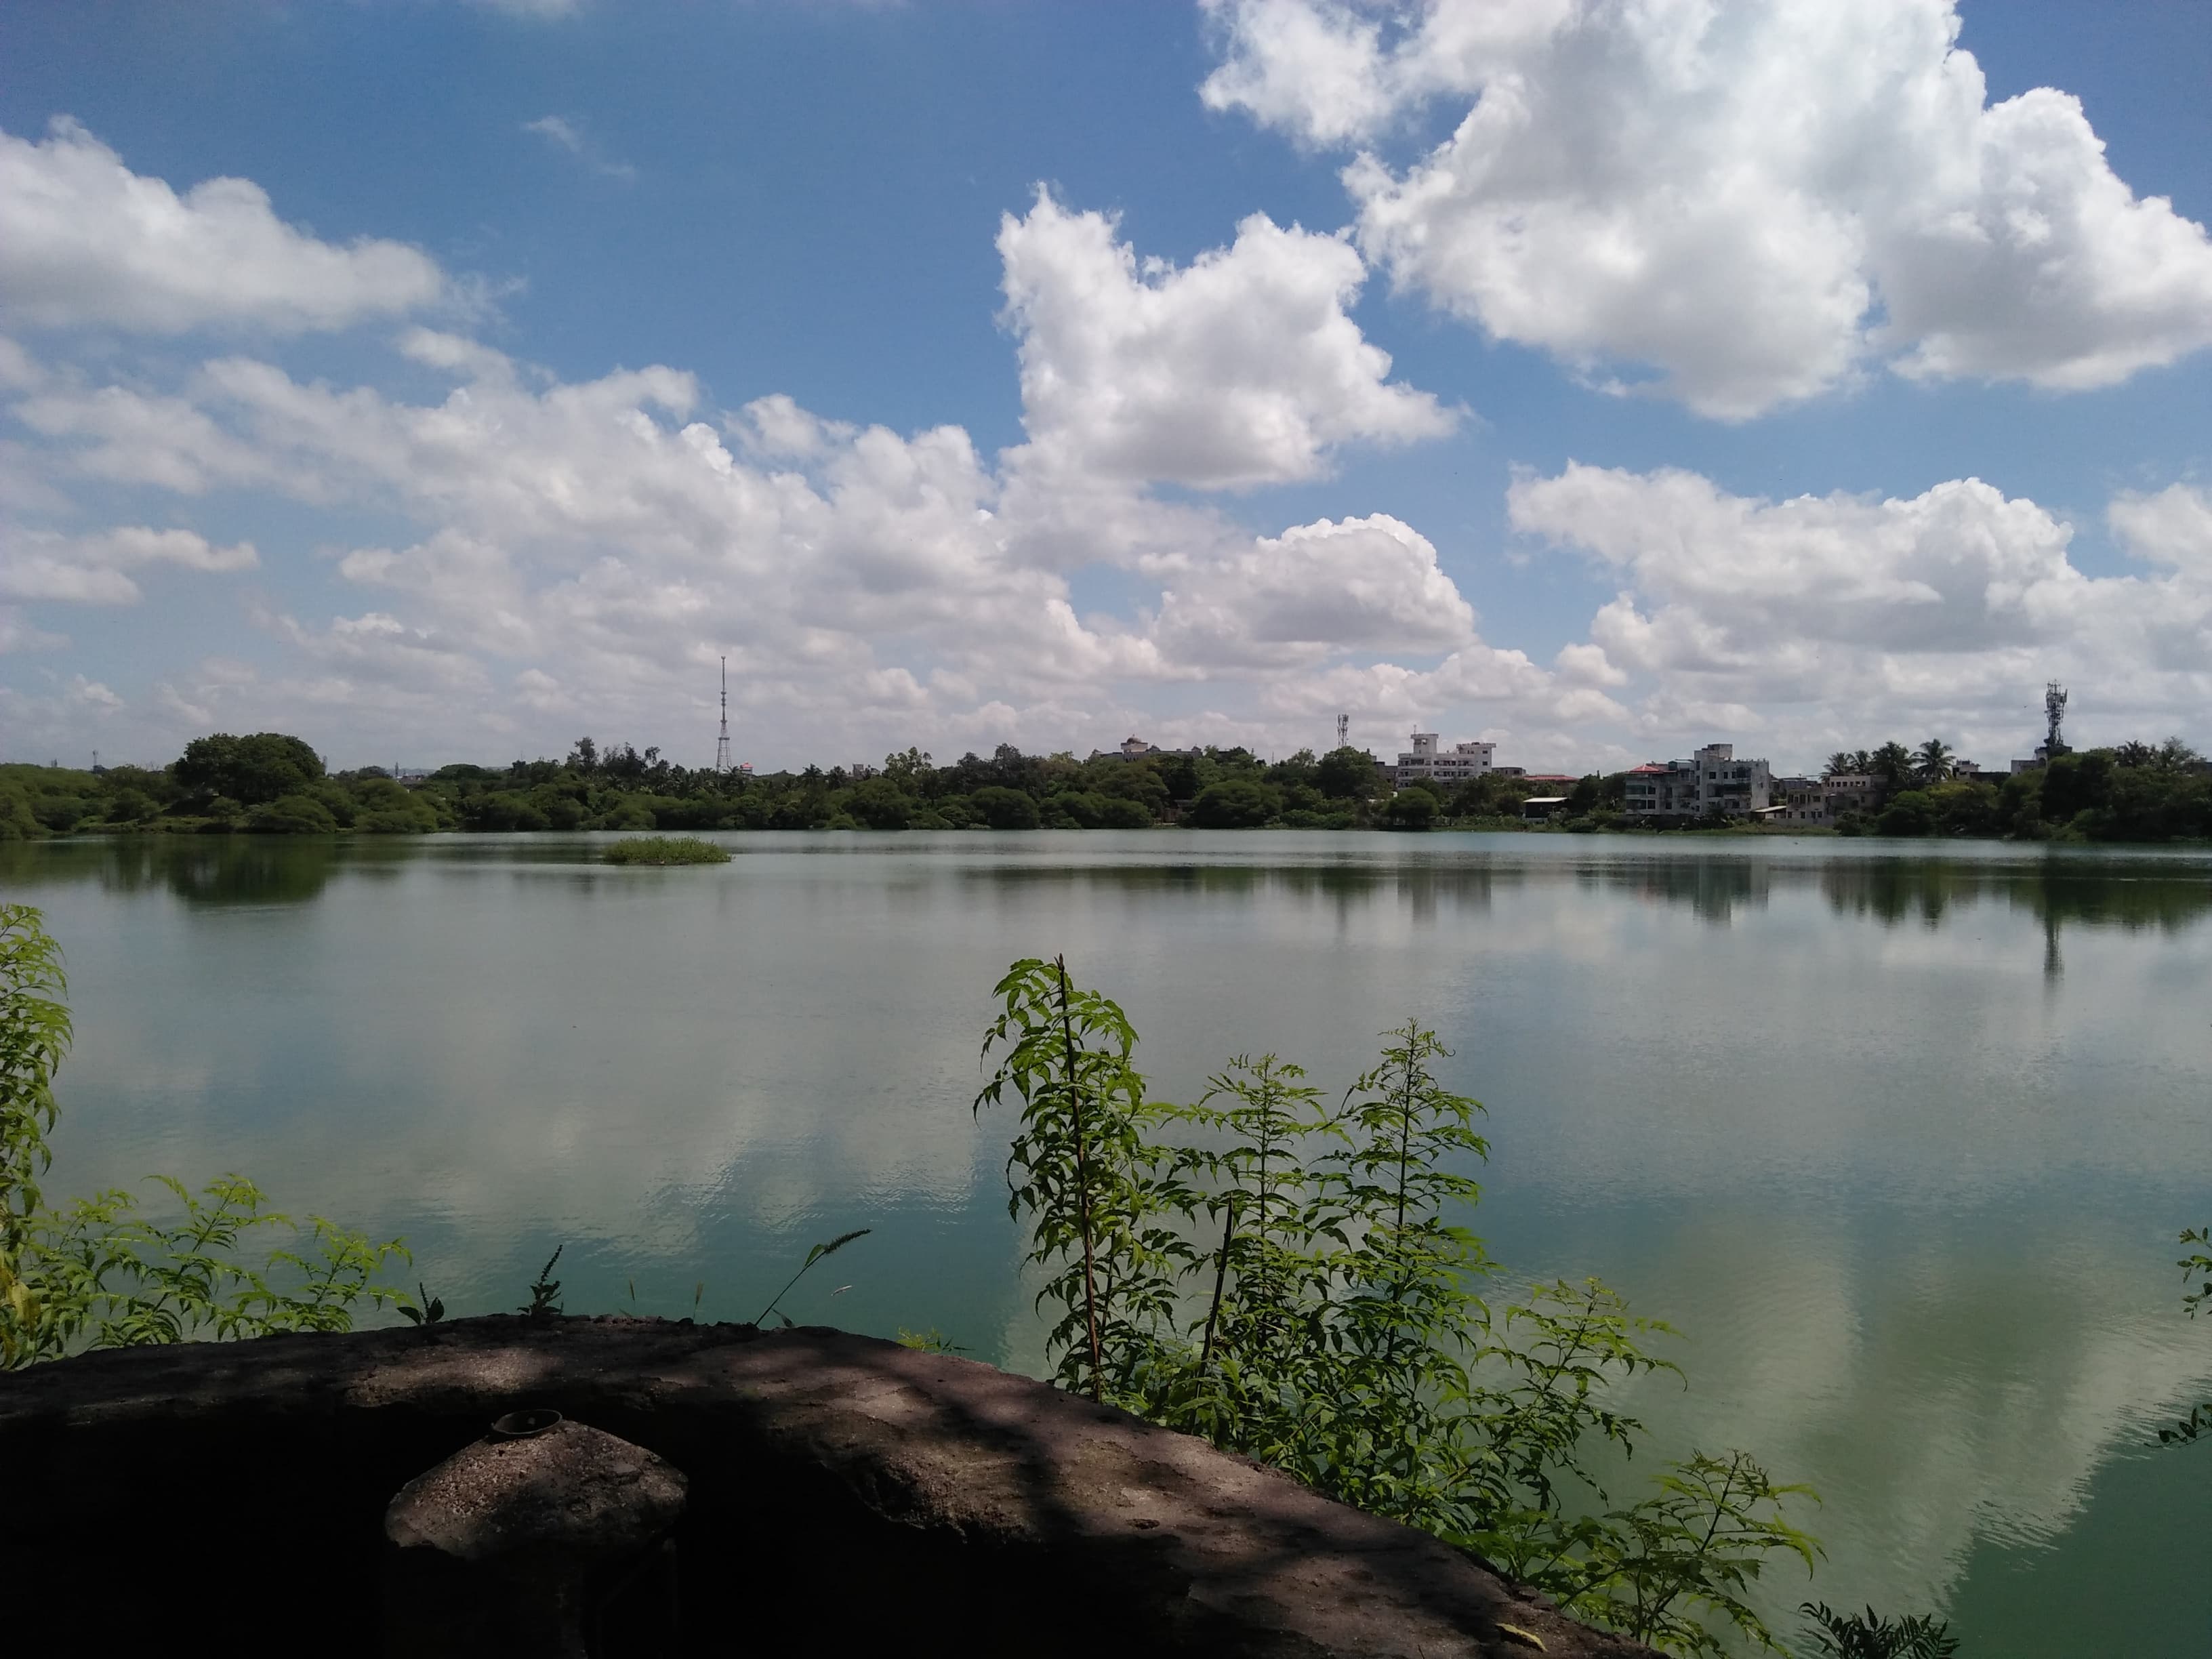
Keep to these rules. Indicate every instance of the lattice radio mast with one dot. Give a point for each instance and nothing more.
(722, 742)
(2054, 711)
(1343, 730)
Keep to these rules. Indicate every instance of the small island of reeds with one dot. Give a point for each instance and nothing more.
(665, 850)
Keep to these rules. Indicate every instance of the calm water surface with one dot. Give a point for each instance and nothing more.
(1899, 1141)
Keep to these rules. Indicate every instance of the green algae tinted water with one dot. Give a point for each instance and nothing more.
(1899, 1139)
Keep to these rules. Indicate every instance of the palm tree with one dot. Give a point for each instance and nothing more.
(2175, 756)
(1893, 763)
(1932, 761)
(1862, 762)
(2135, 753)
(1838, 763)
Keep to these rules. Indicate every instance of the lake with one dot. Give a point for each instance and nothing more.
(1899, 1136)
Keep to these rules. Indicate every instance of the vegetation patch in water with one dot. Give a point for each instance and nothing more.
(665, 850)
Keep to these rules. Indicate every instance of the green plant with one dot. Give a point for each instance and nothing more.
(2197, 1292)
(34, 1036)
(426, 1311)
(1869, 1636)
(1100, 1196)
(104, 1274)
(1335, 1327)
(544, 1289)
(1668, 1570)
(812, 1256)
(932, 1340)
(663, 849)
(103, 1271)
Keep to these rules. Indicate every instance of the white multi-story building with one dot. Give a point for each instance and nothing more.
(1429, 761)
(1711, 781)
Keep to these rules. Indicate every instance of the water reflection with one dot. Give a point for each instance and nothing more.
(1802, 1098)
(201, 870)
(2125, 893)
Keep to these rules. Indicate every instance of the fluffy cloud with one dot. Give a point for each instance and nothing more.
(591, 548)
(597, 546)
(90, 569)
(1240, 368)
(1831, 620)
(1751, 197)
(84, 240)
(2173, 527)
(1371, 583)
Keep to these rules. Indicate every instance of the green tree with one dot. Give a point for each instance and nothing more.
(1931, 761)
(292, 815)
(1838, 763)
(1233, 804)
(1892, 763)
(1347, 773)
(1414, 808)
(1003, 808)
(252, 771)
(880, 803)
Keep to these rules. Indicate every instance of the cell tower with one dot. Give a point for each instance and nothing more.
(722, 742)
(1343, 730)
(2054, 711)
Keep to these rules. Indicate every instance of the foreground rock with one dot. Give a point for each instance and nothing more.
(845, 1494)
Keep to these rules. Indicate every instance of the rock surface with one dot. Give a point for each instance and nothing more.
(884, 1497)
(572, 1492)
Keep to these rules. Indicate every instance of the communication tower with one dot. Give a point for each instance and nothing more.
(722, 742)
(1343, 730)
(2054, 711)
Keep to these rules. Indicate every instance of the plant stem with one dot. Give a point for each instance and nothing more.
(1082, 1180)
(1220, 1279)
(1404, 1152)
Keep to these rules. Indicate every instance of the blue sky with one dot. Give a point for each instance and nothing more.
(442, 435)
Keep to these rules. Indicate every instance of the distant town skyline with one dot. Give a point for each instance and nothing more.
(471, 376)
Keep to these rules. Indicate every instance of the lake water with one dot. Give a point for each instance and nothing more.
(1900, 1139)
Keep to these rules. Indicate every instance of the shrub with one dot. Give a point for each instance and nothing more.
(501, 810)
(1233, 804)
(1002, 808)
(292, 815)
(1410, 809)
(1337, 1331)
(665, 850)
(102, 1273)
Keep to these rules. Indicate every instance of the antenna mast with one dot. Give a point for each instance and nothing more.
(2054, 710)
(1343, 730)
(722, 742)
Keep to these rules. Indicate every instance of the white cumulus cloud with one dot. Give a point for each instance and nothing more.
(1240, 368)
(90, 569)
(1751, 199)
(1836, 621)
(84, 240)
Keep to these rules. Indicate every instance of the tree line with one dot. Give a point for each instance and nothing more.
(271, 782)
(2130, 791)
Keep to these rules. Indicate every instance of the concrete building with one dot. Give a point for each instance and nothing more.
(1712, 780)
(1799, 800)
(1852, 792)
(1429, 761)
(1136, 748)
